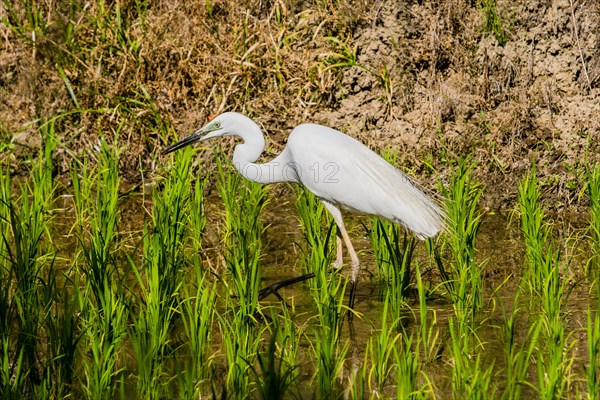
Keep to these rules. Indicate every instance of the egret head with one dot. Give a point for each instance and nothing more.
(215, 128)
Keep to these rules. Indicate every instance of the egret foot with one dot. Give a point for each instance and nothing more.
(273, 289)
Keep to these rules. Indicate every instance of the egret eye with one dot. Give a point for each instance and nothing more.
(217, 125)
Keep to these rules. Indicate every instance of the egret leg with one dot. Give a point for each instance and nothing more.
(337, 217)
(339, 258)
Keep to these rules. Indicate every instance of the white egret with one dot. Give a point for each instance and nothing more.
(342, 172)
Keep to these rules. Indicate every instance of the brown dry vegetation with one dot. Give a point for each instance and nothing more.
(499, 81)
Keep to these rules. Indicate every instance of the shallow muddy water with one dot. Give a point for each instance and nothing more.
(500, 254)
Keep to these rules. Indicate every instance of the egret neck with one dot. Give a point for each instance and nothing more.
(245, 154)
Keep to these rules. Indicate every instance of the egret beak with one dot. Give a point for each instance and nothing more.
(198, 136)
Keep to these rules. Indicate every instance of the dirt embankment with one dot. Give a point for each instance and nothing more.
(455, 91)
(502, 82)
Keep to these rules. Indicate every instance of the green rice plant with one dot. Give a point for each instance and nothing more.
(96, 193)
(555, 288)
(407, 370)
(469, 379)
(159, 282)
(244, 271)
(429, 335)
(593, 188)
(394, 257)
(241, 341)
(197, 314)
(104, 339)
(380, 349)
(435, 249)
(62, 333)
(56, 373)
(197, 216)
(464, 221)
(30, 317)
(22, 302)
(317, 256)
(24, 225)
(98, 220)
(555, 358)
(13, 373)
(544, 277)
(536, 233)
(382, 235)
(327, 290)
(313, 218)
(592, 369)
(150, 332)
(328, 295)
(554, 362)
(165, 245)
(26, 228)
(244, 202)
(228, 185)
(188, 386)
(330, 361)
(5, 266)
(517, 355)
(152, 323)
(276, 376)
(289, 340)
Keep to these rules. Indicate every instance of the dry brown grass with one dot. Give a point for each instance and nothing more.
(150, 69)
(425, 77)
